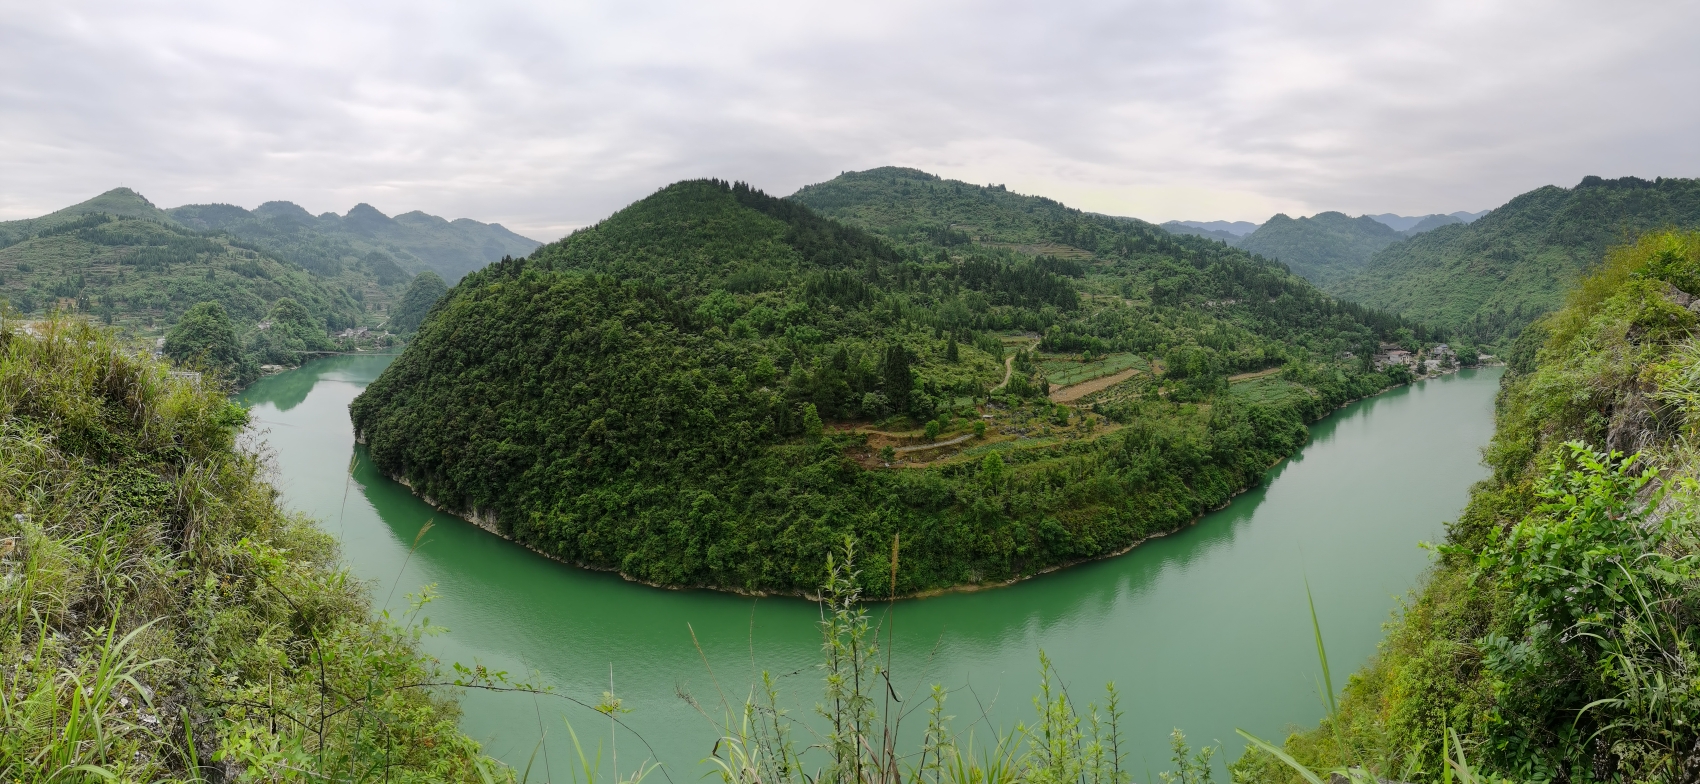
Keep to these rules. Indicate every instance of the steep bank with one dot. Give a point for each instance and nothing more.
(1556, 632)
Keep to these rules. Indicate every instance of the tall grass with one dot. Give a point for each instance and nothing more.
(161, 618)
(858, 736)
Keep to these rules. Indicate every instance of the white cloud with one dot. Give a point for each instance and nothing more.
(546, 116)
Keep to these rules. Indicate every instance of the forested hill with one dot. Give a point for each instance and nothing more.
(714, 386)
(414, 240)
(1491, 277)
(1324, 247)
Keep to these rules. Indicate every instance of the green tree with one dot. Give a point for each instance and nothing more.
(931, 430)
(205, 338)
(898, 378)
(812, 426)
(288, 334)
(421, 295)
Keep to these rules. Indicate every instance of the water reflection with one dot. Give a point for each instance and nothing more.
(1205, 629)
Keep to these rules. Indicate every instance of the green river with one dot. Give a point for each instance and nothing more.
(1205, 630)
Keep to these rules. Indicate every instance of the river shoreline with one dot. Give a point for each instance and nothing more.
(1207, 631)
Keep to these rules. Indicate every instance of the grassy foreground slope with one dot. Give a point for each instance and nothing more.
(714, 387)
(161, 618)
(1557, 633)
(1490, 278)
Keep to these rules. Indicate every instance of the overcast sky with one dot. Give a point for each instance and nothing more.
(550, 115)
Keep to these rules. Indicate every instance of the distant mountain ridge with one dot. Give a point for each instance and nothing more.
(1236, 228)
(1492, 276)
(414, 240)
(121, 259)
(1321, 248)
(1407, 222)
(1203, 229)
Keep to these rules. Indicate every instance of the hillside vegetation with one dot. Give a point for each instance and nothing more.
(161, 618)
(1490, 278)
(1556, 635)
(714, 386)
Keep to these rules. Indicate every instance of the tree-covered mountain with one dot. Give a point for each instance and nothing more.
(1322, 248)
(124, 261)
(1491, 277)
(414, 240)
(714, 386)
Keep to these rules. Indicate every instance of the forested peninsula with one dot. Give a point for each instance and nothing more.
(714, 387)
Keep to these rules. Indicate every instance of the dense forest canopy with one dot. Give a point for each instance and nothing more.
(713, 386)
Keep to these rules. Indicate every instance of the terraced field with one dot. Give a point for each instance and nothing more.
(1068, 372)
(1269, 390)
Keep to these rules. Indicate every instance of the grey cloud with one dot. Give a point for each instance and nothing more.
(545, 116)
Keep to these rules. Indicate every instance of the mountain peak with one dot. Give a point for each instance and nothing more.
(367, 219)
(283, 209)
(122, 202)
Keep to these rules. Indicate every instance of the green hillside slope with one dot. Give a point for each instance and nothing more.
(1491, 277)
(1322, 248)
(166, 619)
(326, 243)
(1556, 634)
(714, 386)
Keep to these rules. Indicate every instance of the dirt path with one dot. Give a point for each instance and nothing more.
(1249, 376)
(936, 444)
(1078, 391)
(1008, 370)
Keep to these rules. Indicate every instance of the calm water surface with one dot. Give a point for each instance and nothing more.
(1206, 629)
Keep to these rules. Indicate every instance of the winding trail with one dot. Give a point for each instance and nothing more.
(1008, 370)
(934, 445)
